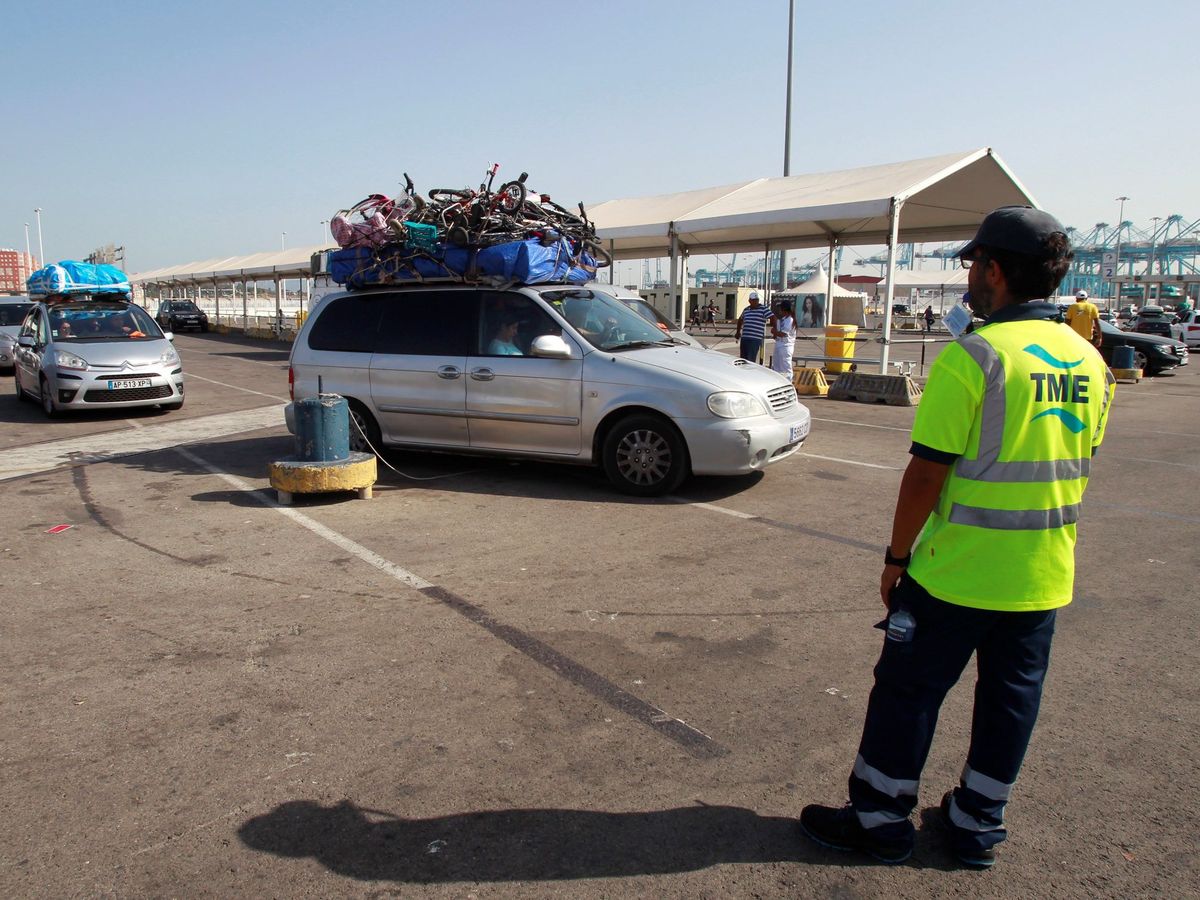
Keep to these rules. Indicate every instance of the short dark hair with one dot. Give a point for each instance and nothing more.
(1034, 277)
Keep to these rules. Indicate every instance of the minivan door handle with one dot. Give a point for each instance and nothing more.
(450, 372)
(483, 374)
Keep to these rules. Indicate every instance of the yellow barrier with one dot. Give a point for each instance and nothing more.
(809, 381)
(839, 341)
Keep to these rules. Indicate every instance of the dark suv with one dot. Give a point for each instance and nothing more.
(177, 315)
(1153, 320)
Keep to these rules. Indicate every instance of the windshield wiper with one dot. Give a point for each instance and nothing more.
(631, 345)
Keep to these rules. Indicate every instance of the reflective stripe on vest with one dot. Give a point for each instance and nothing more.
(987, 465)
(1014, 519)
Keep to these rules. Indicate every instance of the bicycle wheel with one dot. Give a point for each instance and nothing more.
(444, 195)
(512, 197)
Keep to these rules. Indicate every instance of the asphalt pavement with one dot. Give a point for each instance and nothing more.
(503, 679)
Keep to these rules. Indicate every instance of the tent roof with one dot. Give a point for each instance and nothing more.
(293, 263)
(818, 283)
(927, 278)
(944, 198)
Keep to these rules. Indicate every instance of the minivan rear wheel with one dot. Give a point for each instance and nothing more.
(363, 429)
(644, 455)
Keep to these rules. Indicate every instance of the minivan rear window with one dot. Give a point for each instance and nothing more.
(347, 325)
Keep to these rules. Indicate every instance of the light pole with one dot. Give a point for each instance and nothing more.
(1117, 255)
(787, 140)
(324, 222)
(28, 257)
(41, 250)
(283, 240)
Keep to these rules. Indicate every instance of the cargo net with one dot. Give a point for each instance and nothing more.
(509, 234)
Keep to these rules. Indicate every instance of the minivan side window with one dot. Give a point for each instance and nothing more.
(347, 325)
(427, 323)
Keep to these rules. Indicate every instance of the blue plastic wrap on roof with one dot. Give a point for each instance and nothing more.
(74, 277)
(518, 262)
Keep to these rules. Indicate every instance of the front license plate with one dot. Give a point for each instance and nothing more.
(795, 434)
(126, 384)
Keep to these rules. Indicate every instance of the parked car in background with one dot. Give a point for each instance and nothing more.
(1107, 315)
(1153, 320)
(1151, 353)
(1187, 328)
(12, 314)
(178, 315)
(94, 353)
(1126, 313)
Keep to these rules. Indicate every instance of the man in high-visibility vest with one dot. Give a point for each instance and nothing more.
(983, 546)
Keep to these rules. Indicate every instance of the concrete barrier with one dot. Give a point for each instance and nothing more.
(860, 387)
(809, 381)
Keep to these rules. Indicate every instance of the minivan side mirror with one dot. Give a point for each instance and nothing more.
(550, 346)
(26, 340)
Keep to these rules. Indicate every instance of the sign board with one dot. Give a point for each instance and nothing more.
(1108, 265)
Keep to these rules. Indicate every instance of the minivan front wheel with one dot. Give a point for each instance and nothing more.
(364, 430)
(645, 455)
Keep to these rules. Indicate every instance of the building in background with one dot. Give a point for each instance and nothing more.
(15, 269)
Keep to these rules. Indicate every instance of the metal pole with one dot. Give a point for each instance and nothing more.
(826, 318)
(1117, 255)
(41, 249)
(893, 236)
(28, 256)
(680, 299)
(1153, 242)
(787, 132)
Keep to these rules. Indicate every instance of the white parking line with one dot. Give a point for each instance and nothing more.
(852, 462)
(234, 386)
(861, 424)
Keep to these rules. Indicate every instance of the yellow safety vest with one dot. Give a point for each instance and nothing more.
(1022, 403)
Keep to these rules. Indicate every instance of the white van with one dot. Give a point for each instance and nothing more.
(556, 372)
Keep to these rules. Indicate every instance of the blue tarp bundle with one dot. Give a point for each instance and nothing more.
(73, 277)
(521, 262)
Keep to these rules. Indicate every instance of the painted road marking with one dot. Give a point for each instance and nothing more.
(234, 386)
(861, 424)
(851, 462)
(692, 740)
(93, 448)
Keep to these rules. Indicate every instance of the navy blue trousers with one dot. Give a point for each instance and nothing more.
(911, 681)
(750, 349)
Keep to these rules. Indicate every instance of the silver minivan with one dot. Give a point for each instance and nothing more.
(566, 373)
(95, 353)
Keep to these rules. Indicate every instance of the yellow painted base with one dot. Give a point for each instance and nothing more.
(291, 476)
(1134, 375)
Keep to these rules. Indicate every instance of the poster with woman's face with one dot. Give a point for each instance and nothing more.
(812, 311)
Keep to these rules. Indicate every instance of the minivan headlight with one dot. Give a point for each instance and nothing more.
(169, 357)
(735, 405)
(65, 360)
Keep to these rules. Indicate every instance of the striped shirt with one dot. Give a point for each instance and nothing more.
(754, 322)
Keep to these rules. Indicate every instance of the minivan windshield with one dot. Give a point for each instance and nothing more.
(604, 321)
(101, 320)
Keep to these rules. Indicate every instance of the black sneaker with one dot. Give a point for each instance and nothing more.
(974, 857)
(839, 829)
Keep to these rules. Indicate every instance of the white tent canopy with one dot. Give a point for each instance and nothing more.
(944, 198)
(927, 279)
(267, 266)
(818, 283)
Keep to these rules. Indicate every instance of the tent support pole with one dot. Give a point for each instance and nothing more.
(217, 301)
(279, 288)
(612, 269)
(683, 285)
(680, 301)
(893, 234)
(245, 301)
(827, 318)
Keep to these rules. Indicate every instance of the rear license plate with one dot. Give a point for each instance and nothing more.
(795, 434)
(126, 384)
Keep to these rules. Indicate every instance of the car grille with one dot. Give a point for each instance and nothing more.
(151, 393)
(782, 399)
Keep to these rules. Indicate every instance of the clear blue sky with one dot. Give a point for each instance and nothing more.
(192, 130)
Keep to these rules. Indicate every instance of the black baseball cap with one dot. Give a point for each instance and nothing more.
(1019, 229)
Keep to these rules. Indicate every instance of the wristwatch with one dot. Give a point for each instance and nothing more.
(890, 560)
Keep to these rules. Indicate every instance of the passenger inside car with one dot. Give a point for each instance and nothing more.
(505, 341)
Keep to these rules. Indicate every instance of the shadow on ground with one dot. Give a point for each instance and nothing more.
(539, 844)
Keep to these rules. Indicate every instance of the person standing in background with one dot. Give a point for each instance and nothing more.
(751, 329)
(783, 329)
(1083, 316)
